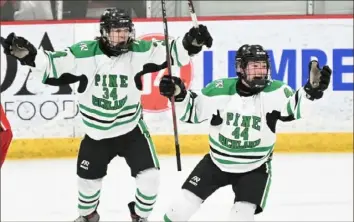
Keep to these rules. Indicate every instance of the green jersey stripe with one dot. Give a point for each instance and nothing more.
(234, 161)
(105, 114)
(101, 126)
(255, 149)
(232, 153)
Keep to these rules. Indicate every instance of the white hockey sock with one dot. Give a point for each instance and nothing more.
(147, 185)
(184, 207)
(89, 194)
(242, 211)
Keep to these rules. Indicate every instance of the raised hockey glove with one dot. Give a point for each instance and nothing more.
(20, 48)
(194, 40)
(172, 86)
(318, 81)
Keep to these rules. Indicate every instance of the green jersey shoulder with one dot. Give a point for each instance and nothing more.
(220, 87)
(279, 87)
(141, 45)
(227, 87)
(86, 49)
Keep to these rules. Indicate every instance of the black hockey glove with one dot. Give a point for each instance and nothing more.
(194, 40)
(19, 48)
(172, 86)
(216, 120)
(315, 88)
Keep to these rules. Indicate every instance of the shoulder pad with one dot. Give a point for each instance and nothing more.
(86, 49)
(273, 86)
(221, 87)
(276, 85)
(141, 45)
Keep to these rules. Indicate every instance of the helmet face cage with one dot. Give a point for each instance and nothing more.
(107, 34)
(120, 20)
(258, 56)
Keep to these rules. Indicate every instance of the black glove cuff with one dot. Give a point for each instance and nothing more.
(312, 93)
(180, 97)
(178, 82)
(28, 60)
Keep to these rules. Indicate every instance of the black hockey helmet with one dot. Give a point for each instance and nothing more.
(252, 53)
(114, 18)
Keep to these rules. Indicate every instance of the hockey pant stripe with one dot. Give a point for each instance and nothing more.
(143, 128)
(269, 181)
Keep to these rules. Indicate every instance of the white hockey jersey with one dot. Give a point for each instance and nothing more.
(244, 137)
(110, 106)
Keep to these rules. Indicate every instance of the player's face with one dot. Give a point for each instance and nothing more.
(256, 70)
(118, 35)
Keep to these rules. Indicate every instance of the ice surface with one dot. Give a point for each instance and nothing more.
(305, 187)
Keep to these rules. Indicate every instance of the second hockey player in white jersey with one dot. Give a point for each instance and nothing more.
(243, 113)
(109, 71)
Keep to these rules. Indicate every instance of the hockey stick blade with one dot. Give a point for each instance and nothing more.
(315, 74)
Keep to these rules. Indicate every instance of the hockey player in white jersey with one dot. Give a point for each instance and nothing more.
(109, 71)
(243, 113)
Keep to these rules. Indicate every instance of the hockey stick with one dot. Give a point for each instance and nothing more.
(193, 15)
(168, 59)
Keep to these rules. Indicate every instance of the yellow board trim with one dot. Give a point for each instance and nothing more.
(190, 144)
